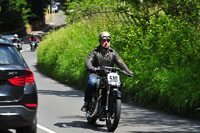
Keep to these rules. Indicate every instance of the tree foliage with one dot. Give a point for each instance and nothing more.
(16, 14)
(165, 42)
(76, 8)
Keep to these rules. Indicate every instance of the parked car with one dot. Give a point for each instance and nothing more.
(18, 91)
(8, 37)
(2, 39)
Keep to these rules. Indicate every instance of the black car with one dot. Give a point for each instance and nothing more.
(18, 92)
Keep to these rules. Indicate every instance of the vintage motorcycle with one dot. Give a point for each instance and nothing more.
(33, 45)
(106, 100)
(18, 46)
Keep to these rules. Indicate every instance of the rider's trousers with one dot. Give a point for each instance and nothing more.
(92, 84)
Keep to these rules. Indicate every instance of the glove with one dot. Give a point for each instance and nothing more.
(93, 69)
(131, 73)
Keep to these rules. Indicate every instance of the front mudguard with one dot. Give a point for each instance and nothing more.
(117, 93)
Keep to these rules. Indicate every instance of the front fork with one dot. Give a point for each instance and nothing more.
(116, 94)
(107, 97)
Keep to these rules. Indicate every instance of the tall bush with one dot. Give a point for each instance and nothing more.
(162, 49)
(165, 60)
(63, 56)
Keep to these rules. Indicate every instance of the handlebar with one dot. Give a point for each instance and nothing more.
(112, 69)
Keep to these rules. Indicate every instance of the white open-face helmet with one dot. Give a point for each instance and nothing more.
(15, 35)
(104, 35)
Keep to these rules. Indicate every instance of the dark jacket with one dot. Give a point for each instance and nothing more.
(16, 41)
(98, 58)
(33, 38)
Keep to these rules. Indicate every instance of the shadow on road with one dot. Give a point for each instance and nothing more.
(81, 124)
(139, 120)
(72, 93)
(142, 120)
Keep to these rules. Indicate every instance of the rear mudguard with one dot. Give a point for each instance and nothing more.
(117, 93)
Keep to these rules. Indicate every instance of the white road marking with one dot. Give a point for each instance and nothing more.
(45, 129)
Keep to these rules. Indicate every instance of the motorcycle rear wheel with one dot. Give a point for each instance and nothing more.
(113, 117)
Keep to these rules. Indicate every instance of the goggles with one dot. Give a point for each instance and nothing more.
(106, 38)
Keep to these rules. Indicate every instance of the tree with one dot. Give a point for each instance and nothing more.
(16, 14)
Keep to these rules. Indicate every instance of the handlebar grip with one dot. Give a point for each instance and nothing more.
(95, 69)
(128, 74)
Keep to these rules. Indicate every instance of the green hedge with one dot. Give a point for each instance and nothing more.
(63, 53)
(165, 60)
(166, 64)
(161, 50)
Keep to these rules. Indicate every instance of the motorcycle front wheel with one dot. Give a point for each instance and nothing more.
(92, 120)
(113, 116)
(33, 48)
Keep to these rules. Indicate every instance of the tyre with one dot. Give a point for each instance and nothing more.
(32, 48)
(20, 47)
(92, 120)
(113, 117)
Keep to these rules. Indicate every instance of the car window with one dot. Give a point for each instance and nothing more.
(8, 55)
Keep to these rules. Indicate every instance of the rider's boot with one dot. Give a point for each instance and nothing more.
(85, 107)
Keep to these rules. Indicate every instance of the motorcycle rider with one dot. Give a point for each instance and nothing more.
(103, 55)
(34, 38)
(16, 40)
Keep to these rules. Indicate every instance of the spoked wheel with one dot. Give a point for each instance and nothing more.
(113, 116)
(92, 120)
(33, 48)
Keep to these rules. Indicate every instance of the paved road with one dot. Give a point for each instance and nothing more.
(59, 110)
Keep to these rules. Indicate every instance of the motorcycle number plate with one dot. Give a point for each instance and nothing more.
(113, 79)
